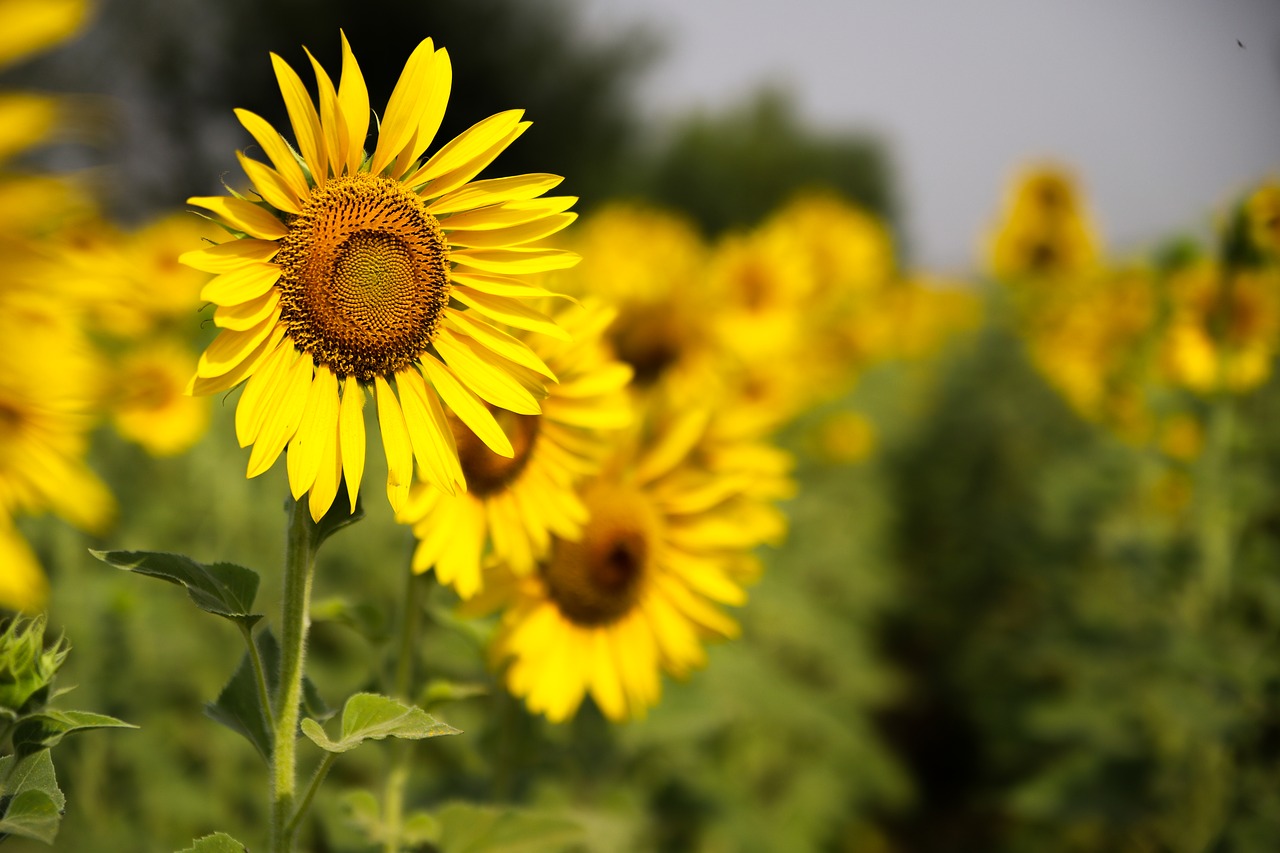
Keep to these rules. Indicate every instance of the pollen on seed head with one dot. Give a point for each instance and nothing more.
(365, 276)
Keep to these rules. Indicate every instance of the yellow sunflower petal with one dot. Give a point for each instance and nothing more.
(433, 111)
(461, 151)
(243, 315)
(509, 214)
(332, 128)
(268, 183)
(466, 406)
(429, 432)
(353, 99)
(283, 414)
(493, 191)
(606, 686)
(200, 385)
(251, 411)
(303, 117)
(229, 256)
(351, 437)
(511, 312)
(500, 285)
(243, 216)
(515, 261)
(277, 150)
(317, 427)
(241, 285)
(395, 442)
(491, 383)
(676, 443)
(513, 236)
(505, 345)
(230, 348)
(404, 107)
(328, 476)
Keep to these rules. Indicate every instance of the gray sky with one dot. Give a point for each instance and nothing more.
(1152, 102)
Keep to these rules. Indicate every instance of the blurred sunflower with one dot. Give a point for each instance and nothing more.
(517, 504)
(22, 583)
(1045, 230)
(149, 407)
(360, 272)
(1263, 210)
(1222, 328)
(47, 407)
(660, 329)
(638, 593)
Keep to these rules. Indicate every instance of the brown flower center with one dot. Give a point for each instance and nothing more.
(649, 339)
(597, 580)
(488, 473)
(366, 276)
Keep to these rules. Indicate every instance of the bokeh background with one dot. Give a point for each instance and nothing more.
(1000, 619)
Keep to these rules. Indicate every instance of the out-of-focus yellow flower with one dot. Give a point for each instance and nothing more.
(846, 250)
(1044, 229)
(22, 582)
(1222, 328)
(31, 26)
(1182, 437)
(1263, 210)
(516, 504)
(25, 119)
(149, 406)
(660, 554)
(652, 266)
(846, 437)
(387, 274)
(49, 392)
(130, 284)
(1089, 338)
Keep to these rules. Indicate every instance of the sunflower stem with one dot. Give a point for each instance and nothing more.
(398, 778)
(299, 569)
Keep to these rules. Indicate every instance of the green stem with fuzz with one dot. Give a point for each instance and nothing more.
(299, 570)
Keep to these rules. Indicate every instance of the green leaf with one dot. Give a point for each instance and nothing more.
(47, 728)
(32, 802)
(32, 814)
(219, 842)
(365, 814)
(439, 690)
(340, 515)
(239, 708)
(368, 716)
(420, 829)
(224, 589)
(467, 828)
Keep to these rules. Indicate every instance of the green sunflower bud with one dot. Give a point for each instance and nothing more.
(27, 668)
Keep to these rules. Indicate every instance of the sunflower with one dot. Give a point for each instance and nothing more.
(1223, 327)
(661, 328)
(517, 504)
(47, 406)
(1045, 230)
(379, 272)
(661, 552)
(149, 407)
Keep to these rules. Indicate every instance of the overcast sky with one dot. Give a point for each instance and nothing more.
(1153, 103)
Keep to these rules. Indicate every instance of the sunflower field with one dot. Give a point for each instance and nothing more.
(711, 521)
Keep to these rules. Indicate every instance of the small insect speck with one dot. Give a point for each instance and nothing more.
(1239, 42)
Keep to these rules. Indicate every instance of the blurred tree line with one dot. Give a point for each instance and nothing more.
(171, 71)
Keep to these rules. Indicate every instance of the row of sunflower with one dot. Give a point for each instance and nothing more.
(1132, 343)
